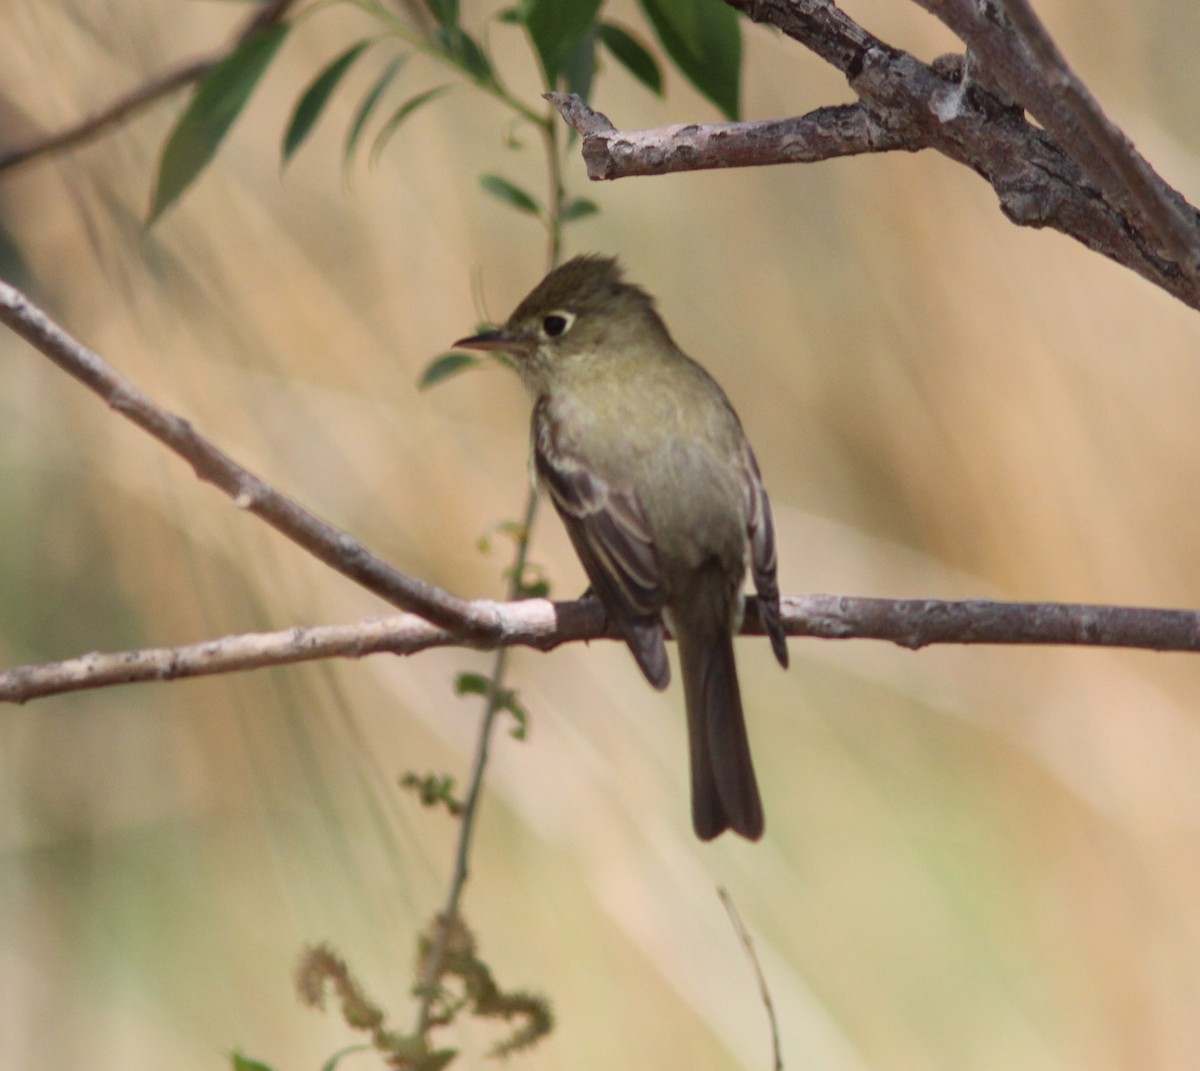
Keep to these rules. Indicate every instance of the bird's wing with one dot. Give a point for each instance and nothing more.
(760, 527)
(608, 529)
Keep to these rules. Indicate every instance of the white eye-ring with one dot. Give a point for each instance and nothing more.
(557, 323)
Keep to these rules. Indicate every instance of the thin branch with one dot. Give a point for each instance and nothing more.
(544, 625)
(764, 991)
(841, 130)
(113, 113)
(446, 922)
(472, 620)
(128, 104)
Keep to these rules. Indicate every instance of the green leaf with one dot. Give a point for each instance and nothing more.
(508, 193)
(704, 39)
(217, 102)
(445, 366)
(578, 209)
(399, 115)
(431, 789)
(515, 530)
(536, 589)
(445, 11)
(315, 97)
(472, 684)
(242, 1063)
(336, 1058)
(520, 715)
(532, 582)
(369, 104)
(438, 1060)
(635, 57)
(555, 27)
(465, 53)
(579, 68)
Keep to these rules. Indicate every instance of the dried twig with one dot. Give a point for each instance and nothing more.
(764, 991)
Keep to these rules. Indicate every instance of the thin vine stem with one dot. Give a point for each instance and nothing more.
(493, 705)
(557, 191)
(494, 701)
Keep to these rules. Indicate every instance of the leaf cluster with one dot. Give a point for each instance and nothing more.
(701, 38)
(434, 789)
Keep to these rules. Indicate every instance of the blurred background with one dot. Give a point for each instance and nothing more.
(975, 858)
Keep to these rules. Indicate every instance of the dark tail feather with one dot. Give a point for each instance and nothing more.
(724, 789)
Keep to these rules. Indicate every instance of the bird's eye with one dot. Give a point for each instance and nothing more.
(557, 323)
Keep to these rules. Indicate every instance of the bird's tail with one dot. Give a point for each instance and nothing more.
(724, 789)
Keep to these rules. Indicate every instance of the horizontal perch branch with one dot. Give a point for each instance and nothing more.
(542, 624)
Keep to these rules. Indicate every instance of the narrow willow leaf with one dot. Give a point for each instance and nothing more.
(578, 209)
(369, 103)
(462, 49)
(445, 366)
(399, 115)
(704, 40)
(312, 102)
(555, 27)
(445, 11)
(217, 102)
(505, 191)
(474, 59)
(243, 1063)
(635, 57)
(579, 68)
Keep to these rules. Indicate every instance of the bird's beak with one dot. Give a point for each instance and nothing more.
(498, 339)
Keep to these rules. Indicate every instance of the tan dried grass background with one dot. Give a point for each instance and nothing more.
(975, 858)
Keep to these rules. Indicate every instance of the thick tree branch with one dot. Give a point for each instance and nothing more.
(471, 620)
(541, 624)
(128, 104)
(1079, 175)
(1010, 43)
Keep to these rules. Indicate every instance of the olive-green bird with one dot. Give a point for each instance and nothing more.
(646, 462)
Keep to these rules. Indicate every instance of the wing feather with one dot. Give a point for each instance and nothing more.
(760, 527)
(608, 529)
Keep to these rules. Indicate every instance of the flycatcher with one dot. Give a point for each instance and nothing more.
(647, 465)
